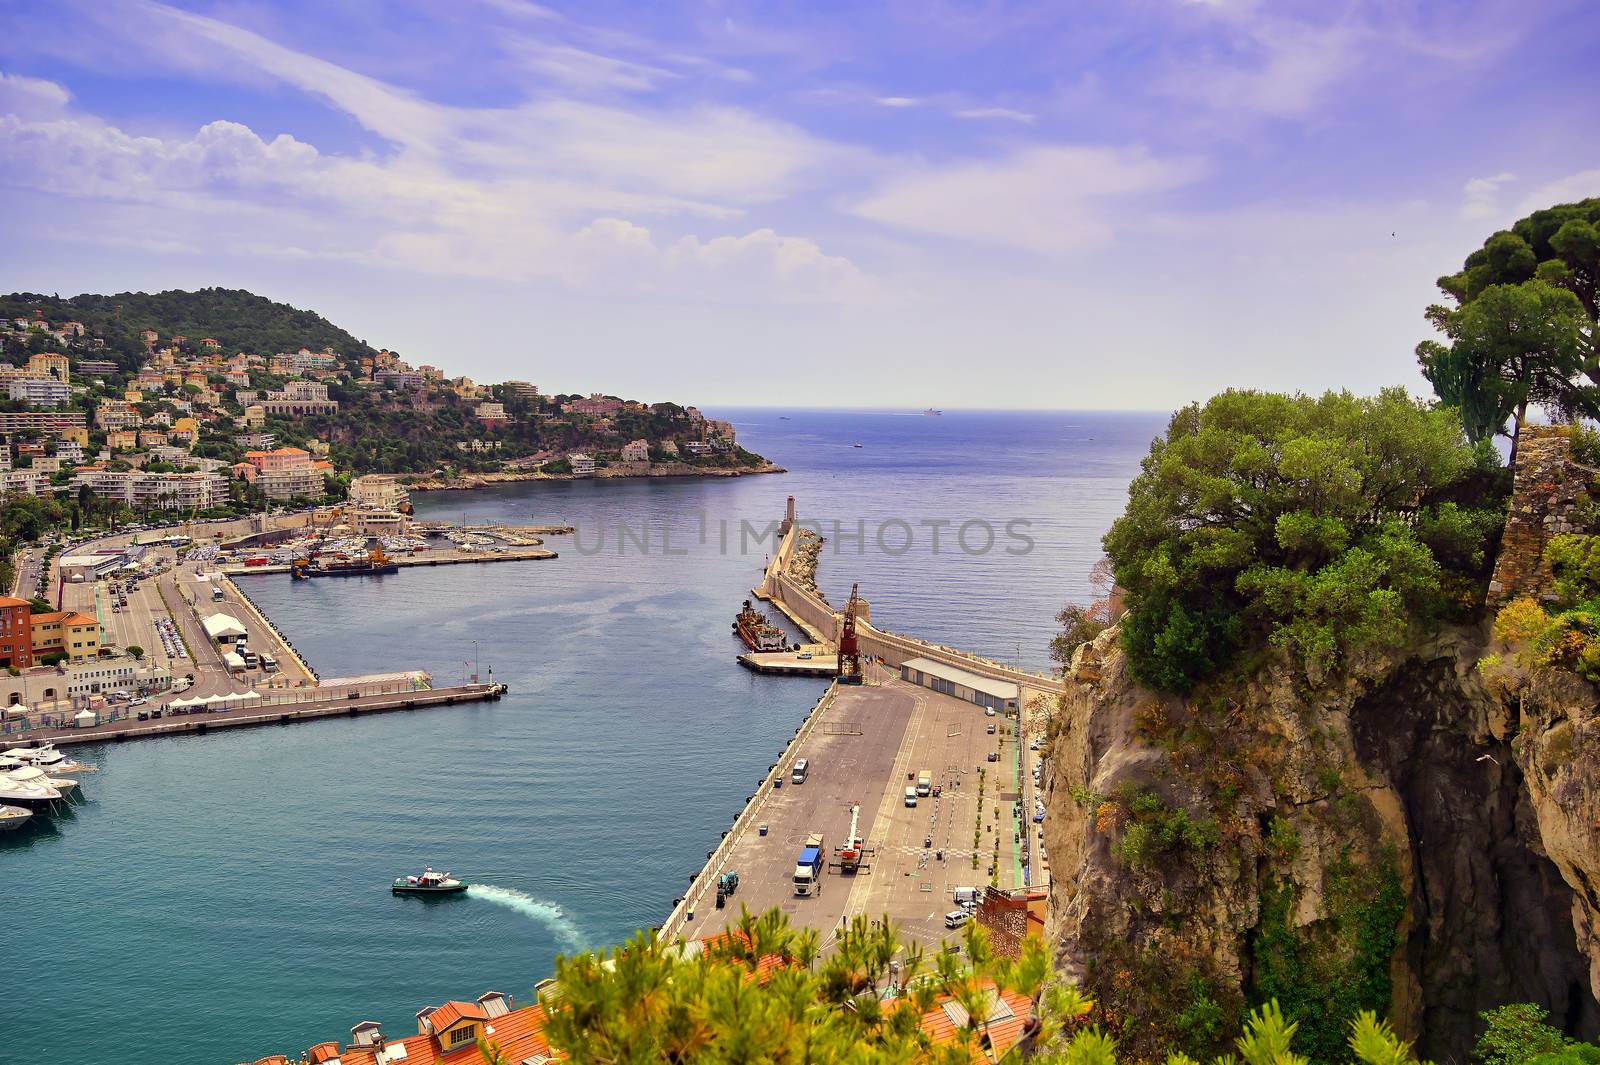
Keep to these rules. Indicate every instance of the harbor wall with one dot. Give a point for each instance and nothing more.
(809, 610)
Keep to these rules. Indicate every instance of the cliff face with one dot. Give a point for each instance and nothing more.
(1400, 835)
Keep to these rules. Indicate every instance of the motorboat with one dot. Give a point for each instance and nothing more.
(65, 785)
(48, 758)
(13, 817)
(28, 787)
(428, 882)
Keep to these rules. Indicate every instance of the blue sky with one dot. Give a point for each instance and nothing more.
(1118, 205)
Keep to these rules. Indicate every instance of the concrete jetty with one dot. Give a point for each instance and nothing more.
(446, 557)
(865, 745)
(249, 717)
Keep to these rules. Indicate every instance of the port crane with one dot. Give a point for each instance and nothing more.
(849, 647)
(852, 852)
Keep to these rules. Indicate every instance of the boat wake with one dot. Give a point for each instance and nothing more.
(546, 913)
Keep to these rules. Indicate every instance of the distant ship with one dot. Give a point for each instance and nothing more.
(756, 631)
(931, 413)
(855, 445)
(783, 417)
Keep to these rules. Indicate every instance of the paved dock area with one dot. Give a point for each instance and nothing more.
(868, 746)
(819, 661)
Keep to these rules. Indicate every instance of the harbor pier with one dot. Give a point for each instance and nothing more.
(941, 788)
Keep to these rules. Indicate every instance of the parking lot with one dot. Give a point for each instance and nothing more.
(869, 746)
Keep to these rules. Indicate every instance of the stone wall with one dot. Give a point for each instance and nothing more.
(1548, 487)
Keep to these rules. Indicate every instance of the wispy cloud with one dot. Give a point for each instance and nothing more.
(1045, 199)
(1481, 196)
(1006, 114)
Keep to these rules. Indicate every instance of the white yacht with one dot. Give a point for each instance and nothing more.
(48, 758)
(13, 817)
(27, 787)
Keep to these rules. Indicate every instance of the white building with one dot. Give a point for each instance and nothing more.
(164, 491)
(300, 398)
(39, 391)
(30, 482)
(294, 482)
(378, 491)
(636, 451)
(582, 465)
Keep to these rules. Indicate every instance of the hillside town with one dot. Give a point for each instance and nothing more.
(202, 428)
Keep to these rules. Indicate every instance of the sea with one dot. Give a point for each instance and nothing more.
(219, 899)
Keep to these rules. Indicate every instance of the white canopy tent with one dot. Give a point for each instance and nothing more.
(86, 718)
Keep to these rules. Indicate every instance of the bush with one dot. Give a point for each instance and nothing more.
(1324, 525)
(1516, 1034)
(1154, 830)
(135, 651)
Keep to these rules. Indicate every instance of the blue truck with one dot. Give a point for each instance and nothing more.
(808, 870)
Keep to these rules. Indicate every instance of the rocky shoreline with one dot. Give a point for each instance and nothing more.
(472, 481)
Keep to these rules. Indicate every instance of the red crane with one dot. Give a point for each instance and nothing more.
(849, 648)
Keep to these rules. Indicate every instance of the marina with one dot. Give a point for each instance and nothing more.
(655, 761)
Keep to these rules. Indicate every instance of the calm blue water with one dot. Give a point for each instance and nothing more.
(240, 881)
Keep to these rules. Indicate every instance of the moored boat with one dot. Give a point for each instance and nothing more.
(756, 631)
(27, 787)
(428, 882)
(13, 817)
(46, 757)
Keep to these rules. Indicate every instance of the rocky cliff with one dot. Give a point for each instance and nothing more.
(1401, 836)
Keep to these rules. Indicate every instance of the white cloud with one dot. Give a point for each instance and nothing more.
(1004, 113)
(31, 98)
(1480, 198)
(897, 101)
(582, 70)
(1579, 186)
(794, 269)
(1045, 199)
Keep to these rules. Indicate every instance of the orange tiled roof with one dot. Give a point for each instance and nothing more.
(1003, 1030)
(9, 600)
(75, 617)
(451, 1012)
(520, 1034)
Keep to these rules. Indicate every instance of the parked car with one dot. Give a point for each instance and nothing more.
(956, 918)
(988, 711)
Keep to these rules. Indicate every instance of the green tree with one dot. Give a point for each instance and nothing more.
(1510, 346)
(1326, 525)
(1515, 1034)
(1559, 245)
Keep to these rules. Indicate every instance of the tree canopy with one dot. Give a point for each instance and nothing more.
(1326, 525)
(764, 993)
(1520, 328)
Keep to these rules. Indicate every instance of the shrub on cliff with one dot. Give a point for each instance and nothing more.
(1325, 525)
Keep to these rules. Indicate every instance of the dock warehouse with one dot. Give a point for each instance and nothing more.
(223, 628)
(97, 564)
(1002, 695)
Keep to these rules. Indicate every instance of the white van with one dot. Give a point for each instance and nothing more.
(911, 796)
(797, 775)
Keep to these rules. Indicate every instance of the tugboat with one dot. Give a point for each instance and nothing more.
(756, 631)
(428, 883)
